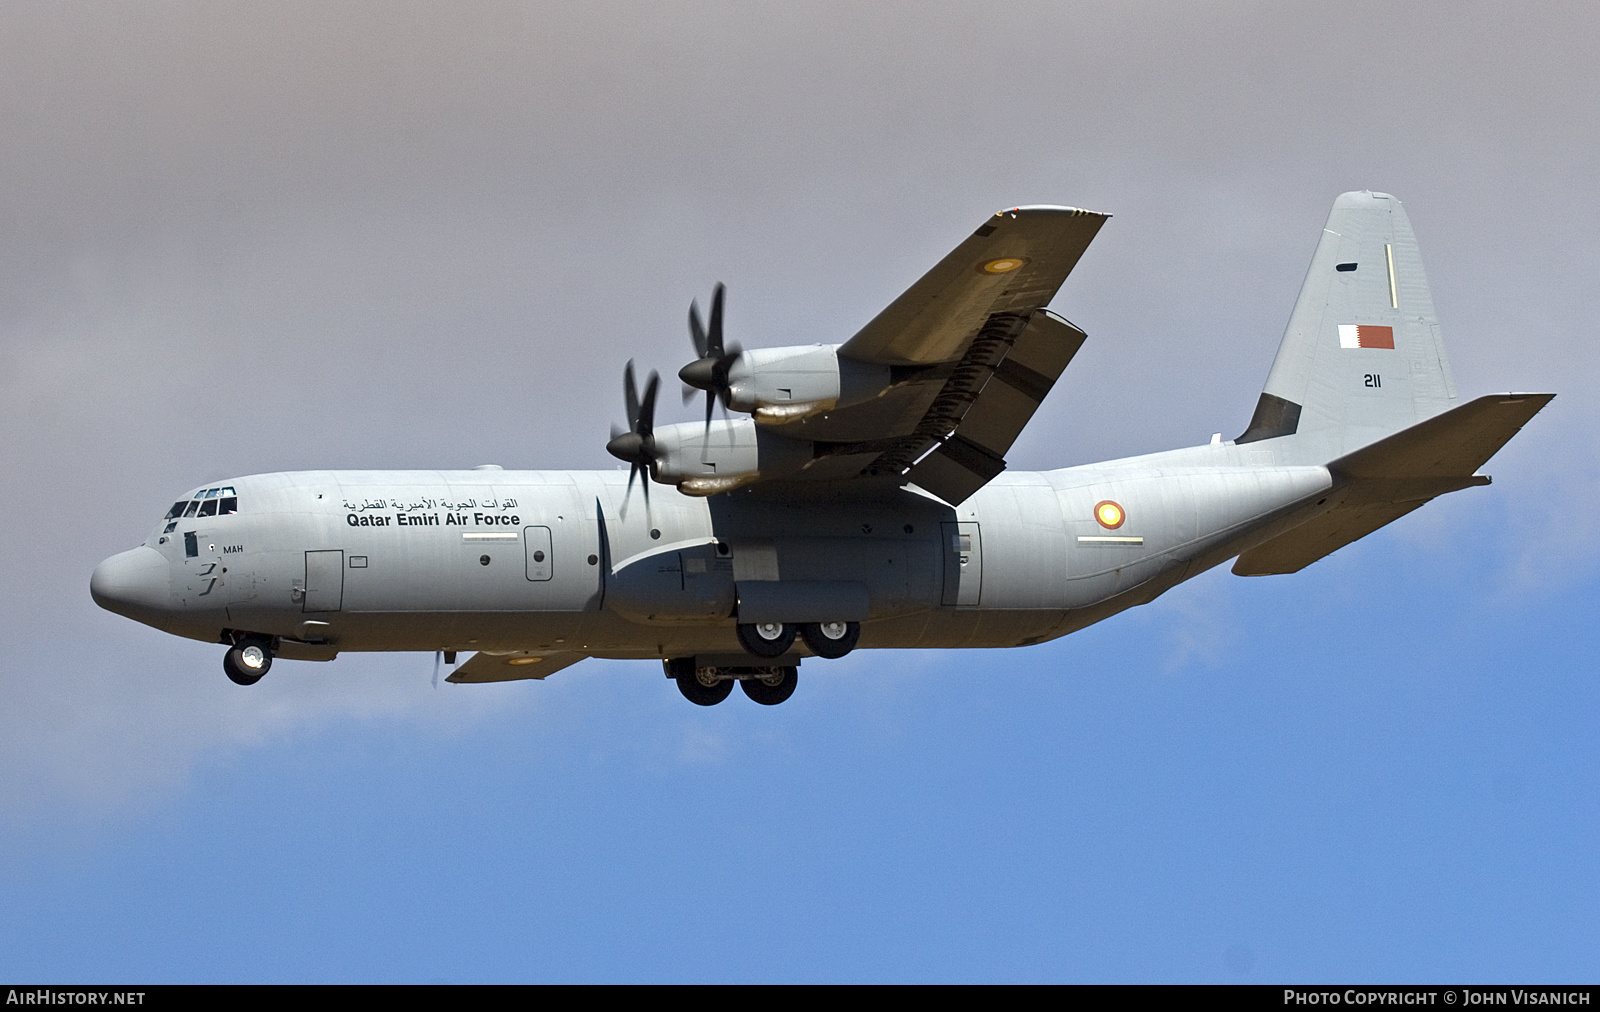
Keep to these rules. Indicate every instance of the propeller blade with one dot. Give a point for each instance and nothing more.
(438, 658)
(630, 396)
(697, 333)
(689, 393)
(645, 423)
(714, 338)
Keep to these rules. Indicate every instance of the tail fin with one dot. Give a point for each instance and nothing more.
(1362, 357)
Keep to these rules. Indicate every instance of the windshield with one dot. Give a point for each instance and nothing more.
(207, 502)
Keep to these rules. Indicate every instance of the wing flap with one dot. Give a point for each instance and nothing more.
(975, 451)
(1014, 263)
(520, 664)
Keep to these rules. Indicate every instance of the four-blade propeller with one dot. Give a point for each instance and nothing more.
(637, 446)
(709, 371)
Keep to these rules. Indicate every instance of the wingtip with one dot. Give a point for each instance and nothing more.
(1031, 209)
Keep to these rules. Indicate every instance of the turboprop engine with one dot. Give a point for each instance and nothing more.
(776, 385)
(699, 459)
(705, 460)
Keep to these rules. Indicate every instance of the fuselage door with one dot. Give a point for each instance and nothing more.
(324, 581)
(963, 564)
(536, 543)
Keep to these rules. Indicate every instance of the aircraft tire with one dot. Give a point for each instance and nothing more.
(755, 638)
(816, 635)
(696, 691)
(770, 690)
(247, 661)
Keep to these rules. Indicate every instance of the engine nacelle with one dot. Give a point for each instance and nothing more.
(705, 461)
(780, 385)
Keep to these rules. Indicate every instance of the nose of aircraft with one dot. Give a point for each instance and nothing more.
(133, 583)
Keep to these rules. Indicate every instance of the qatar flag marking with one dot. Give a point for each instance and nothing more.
(1363, 336)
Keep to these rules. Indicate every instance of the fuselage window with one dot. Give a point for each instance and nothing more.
(191, 545)
(208, 508)
(192, 508)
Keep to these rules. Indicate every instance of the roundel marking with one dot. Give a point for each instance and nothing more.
(1109, 515)
(1004, 265)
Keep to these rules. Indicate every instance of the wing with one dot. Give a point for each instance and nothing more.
(513, 666)
(1014, 263)
(973, 318)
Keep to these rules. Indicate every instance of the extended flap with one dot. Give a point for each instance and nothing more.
(975, 452)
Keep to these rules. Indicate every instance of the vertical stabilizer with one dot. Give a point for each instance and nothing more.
(1362, 357)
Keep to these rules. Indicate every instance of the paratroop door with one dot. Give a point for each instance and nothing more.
(963, 564)
(324, 581)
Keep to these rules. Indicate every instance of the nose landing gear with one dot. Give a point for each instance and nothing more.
(247, 660)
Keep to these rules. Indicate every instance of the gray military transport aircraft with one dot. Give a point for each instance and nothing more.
(861, 501)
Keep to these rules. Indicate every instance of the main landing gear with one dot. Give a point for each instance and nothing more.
(707, 686)
(774, 639)
(247, 660)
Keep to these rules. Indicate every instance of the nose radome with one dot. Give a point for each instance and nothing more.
(132, 583)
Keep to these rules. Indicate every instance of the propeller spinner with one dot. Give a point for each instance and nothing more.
(637, 446)
(708, 372)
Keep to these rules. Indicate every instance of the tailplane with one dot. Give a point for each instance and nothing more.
(1362, 356)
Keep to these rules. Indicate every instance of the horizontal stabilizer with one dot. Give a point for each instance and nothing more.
(1383, 482)
(513, 666)
(1294, 551)
(1450, 445)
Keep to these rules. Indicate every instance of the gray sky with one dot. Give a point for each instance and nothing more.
(249, 238)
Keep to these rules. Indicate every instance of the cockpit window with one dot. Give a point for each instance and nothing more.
(207, 502)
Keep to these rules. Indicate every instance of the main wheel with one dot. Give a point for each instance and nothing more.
(766, 639)
(246, 661)
(831, 639)
(703, 687)
(770, 690)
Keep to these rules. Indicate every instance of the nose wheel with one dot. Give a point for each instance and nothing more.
(246, 661)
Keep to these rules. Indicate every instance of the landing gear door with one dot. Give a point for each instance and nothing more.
(324, 581)
(963, 564)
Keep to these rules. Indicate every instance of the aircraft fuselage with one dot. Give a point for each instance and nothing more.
(501, 560)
